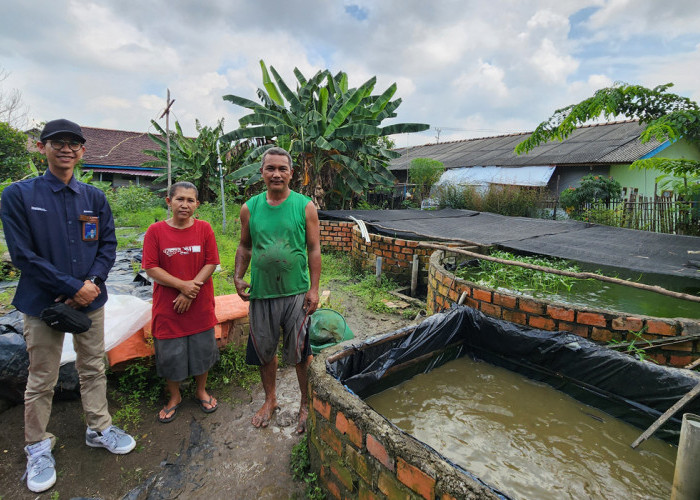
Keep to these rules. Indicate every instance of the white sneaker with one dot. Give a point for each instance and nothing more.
(112, 438)
(41, 466)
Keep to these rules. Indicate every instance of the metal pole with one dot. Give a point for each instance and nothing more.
(221, 181)
(378, 271)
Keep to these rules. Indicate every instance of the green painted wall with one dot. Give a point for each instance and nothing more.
(644, 180)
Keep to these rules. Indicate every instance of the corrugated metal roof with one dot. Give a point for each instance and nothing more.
(116, 147)
(593, 144)
(125, 171)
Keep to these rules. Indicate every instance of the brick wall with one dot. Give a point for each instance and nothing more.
(397, 256)
(598, 325)
(358, 454)
(336, 235)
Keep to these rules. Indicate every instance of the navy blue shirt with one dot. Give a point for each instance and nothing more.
(44, 235)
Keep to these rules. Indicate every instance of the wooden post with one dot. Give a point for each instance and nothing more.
(378, 270)
(414, 275)
(166, 113)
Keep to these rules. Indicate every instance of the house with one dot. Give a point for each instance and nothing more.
(601, 149)
(116, 156)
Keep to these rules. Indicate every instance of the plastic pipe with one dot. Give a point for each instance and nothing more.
(686, 480)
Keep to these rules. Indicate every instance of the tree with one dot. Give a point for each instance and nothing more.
(593, 188)
(424, 172)
(193, 159)
(667, 116)
(330, 130)
(12, 110)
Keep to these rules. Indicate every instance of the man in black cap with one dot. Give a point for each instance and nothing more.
(60, 234)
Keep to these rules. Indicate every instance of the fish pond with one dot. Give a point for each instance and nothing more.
(525, 438)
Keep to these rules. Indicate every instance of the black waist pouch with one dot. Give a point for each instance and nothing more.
(62, 317)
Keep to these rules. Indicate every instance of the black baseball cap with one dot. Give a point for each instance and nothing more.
(61, 126)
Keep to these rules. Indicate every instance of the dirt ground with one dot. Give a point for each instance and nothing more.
(198, 455)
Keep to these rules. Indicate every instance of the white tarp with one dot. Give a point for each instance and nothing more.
(124, 316)
(482, 176)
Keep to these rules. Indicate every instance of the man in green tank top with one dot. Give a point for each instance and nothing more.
(280, 240)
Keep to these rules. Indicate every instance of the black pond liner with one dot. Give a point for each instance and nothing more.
(634, 391)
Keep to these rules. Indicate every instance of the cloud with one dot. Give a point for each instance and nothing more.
(479, 68)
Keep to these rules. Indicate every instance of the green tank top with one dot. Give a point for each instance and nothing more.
(279, 263)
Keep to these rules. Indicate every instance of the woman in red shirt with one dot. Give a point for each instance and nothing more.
(180, 255)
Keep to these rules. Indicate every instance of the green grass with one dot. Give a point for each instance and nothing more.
(232, 368)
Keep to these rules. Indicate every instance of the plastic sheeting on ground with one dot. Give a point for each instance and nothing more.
(634, 391)
(139, 345)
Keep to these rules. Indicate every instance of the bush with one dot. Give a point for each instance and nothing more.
(424, 172)
(593, 188)
(505, 200)
(135, 205)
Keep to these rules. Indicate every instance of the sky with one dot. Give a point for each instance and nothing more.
(467, 68)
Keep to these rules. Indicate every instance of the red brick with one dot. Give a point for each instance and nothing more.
(469, 302)
(407, 250)
(491, 310)
(580, 330)
(629, 324)
(531, 306)
(659, 358)
(684, 346)
(329, 436)
(366, 494)
(504, 300)
(589, 318)
(388, 485)
(661, 327)
(377, 450)
(358, 462)
(322, 407)
(343, 475)
(483, 295)
(680, 360)
(515, 317)
(601, 334)
(416, 479)
(400, 243)
(347, 426)
(560, 313)
(542, 323)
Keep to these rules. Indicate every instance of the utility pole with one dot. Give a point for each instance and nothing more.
(166, 113)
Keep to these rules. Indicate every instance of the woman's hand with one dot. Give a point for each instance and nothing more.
(182, 303)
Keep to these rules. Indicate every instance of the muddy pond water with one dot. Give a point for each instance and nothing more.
(525, 438)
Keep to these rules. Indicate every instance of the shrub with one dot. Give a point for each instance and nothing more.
(593, 188)
(497, 199)
(424, 172)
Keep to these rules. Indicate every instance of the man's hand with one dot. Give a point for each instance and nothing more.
(190, 289)
(241, 287)
(311, 301)
(84, 297)
(182, 303)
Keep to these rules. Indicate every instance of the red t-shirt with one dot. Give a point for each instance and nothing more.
(182, 253)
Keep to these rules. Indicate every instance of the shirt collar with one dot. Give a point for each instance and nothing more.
(56, 184)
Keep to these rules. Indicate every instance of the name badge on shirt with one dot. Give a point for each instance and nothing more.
(90, 229)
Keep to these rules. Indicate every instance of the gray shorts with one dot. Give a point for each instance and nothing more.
(270, 316)
(188, 356)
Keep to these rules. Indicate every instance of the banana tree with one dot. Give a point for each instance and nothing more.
(329, 129)
(193, 159)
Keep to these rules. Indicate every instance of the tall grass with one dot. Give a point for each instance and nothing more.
(505, 200)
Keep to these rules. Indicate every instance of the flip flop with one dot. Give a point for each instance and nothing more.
(168, 411)
(202, 402)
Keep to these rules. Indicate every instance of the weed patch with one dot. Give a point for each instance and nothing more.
(299, 465)
(232, 368)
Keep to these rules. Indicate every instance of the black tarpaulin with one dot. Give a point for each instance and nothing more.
(595, 245)
(634, 391)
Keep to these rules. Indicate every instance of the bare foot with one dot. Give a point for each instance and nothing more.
(303, 415)
(264, 414)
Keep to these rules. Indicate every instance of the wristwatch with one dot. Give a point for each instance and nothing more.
(96, 280)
